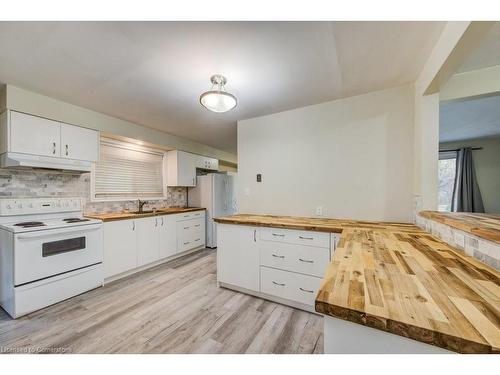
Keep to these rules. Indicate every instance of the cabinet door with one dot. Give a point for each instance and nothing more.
(79, 143)
(167, 236)
(147, 240)
(186, 169)
(238, 256)
(34, 135)
(120, 253)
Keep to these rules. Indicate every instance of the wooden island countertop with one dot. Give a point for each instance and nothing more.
(113, 216)
(400, 279)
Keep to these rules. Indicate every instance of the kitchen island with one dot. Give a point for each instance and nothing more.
(393, 288)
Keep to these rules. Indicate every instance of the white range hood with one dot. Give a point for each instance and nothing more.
(17, 160)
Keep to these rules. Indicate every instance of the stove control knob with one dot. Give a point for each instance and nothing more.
(9, 207)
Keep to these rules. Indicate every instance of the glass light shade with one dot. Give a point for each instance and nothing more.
(218, 101)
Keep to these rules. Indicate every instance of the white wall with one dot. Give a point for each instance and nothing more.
(352, 156)
(427, 115)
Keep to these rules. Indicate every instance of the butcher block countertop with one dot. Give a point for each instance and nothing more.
(486, 226)
(307, 223)
(129, 215)
(400, 279)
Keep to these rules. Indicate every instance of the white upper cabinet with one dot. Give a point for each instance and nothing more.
(181, 168)
(79, 143)
(34, 135)
(204, 162)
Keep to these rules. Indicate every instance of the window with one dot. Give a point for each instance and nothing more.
(446, 174)
(126, 170)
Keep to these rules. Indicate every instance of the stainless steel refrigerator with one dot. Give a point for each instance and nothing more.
(216, 193)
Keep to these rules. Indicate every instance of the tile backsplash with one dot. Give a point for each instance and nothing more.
(39, 183)
(32, 184)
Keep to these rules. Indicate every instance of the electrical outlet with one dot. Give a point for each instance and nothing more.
(319, 211)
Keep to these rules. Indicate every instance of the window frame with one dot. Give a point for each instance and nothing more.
(446, 155)
(133, 147)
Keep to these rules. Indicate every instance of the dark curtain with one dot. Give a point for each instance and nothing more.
(466, 194)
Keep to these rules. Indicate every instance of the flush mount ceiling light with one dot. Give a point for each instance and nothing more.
(218, 99)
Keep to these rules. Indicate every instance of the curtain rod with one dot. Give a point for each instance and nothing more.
(457, 149)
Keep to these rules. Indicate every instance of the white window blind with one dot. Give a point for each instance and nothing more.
(128, 171)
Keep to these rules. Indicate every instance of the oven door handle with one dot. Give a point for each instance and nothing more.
(42, 233)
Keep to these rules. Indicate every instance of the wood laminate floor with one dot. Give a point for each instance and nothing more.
(173, 308)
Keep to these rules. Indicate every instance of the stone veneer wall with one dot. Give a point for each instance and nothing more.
(33, 184)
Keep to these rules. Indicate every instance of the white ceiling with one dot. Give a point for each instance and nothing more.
(486, 53)
(152, 73)
(469, 119)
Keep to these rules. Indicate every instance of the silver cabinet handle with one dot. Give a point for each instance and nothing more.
(255, 235)
(133, 225)
(278, 256)
(54, 148)
(67, 150)
(186, 227)
(197, 225)
(186, 216)
(161, 221)
(198, 239)
(185, 243)
(278, 235)
(306, 261)
(156, 222)
(279, 284)
(307, 290)
(306, 238)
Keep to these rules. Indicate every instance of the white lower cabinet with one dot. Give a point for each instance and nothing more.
(289, 285)
(147, 240)
(167, 235)
(307, 260)
(135, 243)
(238, 256)
(120, 252)
(190, 231)
(274, 262)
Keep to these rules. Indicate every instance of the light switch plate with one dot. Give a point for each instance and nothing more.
(319, 211)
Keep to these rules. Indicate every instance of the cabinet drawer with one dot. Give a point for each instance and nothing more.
(297, 258)
(289, 285)
(187, 227)
(308, 238)
(191, 215)
(190, 241)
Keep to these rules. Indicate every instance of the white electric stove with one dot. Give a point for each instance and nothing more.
(48, 252)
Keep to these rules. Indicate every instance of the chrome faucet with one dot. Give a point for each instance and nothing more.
(141, 205)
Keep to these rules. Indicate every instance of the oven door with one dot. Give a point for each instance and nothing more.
(44, 253)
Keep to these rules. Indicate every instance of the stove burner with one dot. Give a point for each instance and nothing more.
(75, 220)
(29, 224)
